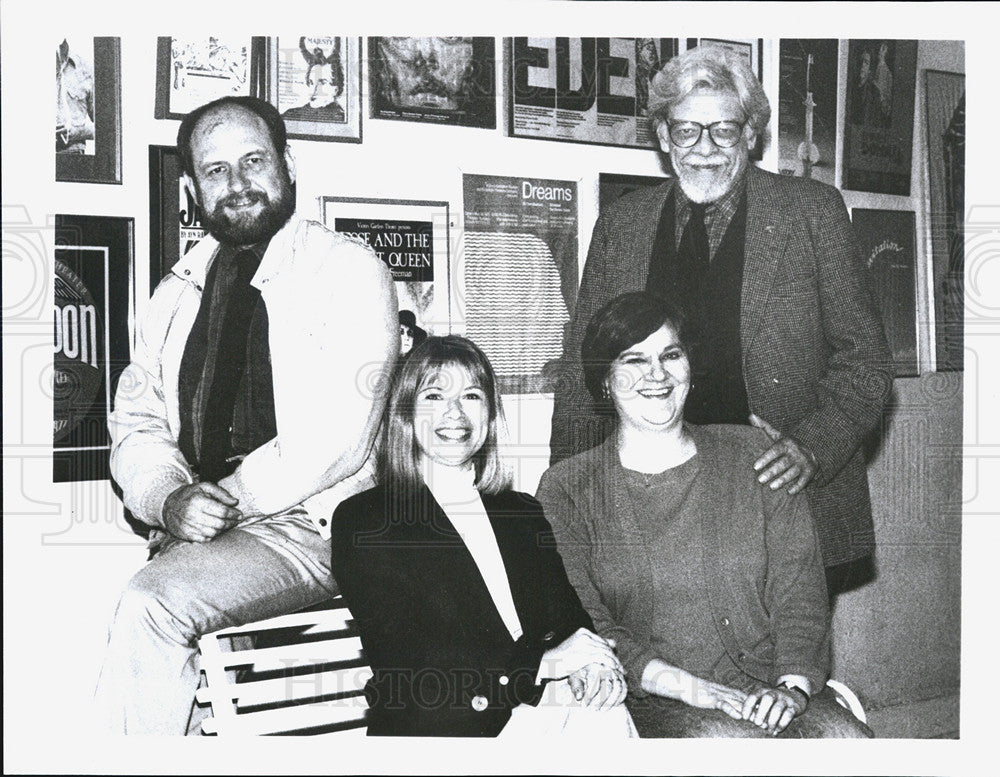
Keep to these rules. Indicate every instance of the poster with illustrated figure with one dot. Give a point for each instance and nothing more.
(443, 80)
(878, 126)
(315, 83)
(194, 70)
(587, 90)
(411, 237)
(519, 274)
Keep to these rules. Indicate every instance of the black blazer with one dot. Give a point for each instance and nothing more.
(444, 663)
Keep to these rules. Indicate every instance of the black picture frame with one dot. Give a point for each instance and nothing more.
(174, 217)
(94, 304)
(105, 164)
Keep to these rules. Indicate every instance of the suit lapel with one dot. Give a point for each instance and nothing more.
(647, 223)
(766, 235)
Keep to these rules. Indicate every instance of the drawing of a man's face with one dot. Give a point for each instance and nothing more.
(426, 72)
(326, 86)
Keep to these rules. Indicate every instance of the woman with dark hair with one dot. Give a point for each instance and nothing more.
(710, 584)
(466, 615)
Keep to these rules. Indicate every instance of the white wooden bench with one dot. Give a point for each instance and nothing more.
(302, 673)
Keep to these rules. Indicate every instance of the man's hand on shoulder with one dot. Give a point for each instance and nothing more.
(199, 512)
(786, 463)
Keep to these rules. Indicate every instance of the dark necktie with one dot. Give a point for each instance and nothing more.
(694, 241)
(216, 439)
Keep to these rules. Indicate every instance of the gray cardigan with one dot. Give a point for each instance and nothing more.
(761, 565)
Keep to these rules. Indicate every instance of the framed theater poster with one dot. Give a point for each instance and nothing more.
(888, 243)
(411, 237)
(878, 129)
(315, 83)
(434, 80)
(195, 69)
(91, 341)
(174, 217)
(584, 90)
(946, 176)
(519, 275)
(807, 109)
(89, 110)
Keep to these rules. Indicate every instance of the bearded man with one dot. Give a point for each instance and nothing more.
(247, 413)
(785, 328)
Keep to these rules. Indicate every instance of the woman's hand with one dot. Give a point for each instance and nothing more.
(580, 648)
(772, 709)
(598, 686)
(707, 695)
(662, 679)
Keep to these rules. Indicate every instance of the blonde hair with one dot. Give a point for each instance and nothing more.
(399, 454)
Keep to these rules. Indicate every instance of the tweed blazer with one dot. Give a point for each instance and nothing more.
(444, 663)
(815, 360)
(759, 564)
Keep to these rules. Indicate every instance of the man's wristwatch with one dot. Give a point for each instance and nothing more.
(796, 689)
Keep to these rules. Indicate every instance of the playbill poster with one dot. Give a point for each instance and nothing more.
(590, 90)
(90, 339)
(807, 109)
(201, 69)
(520, 274)
(411, 237)
(878, 130)
(443, 80)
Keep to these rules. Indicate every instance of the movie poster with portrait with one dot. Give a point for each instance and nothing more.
(807, 109)
(411, 237)
(435, 80)
(519, 278)
(586, 90)
(315, 83)
(878, 126)
(93, 300)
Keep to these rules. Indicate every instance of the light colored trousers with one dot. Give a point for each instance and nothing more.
(264, 567)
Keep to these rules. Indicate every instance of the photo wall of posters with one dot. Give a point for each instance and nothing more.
(520, 274)
(878, 131)
(435, 80)
(315, 83)
(888, 243)
(411, 237)
(193, 70)
(807, 109)
(91, 341)
(588, 90)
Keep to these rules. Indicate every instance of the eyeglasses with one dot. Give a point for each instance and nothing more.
(724, 134)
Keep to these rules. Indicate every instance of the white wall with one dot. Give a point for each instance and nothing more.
(66, 552)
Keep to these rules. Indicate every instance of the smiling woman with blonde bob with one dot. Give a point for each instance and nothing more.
(710, 584)
(467, 619)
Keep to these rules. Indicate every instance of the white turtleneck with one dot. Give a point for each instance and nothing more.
(455, 491)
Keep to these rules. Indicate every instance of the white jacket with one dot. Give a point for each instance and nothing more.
(333, 335)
